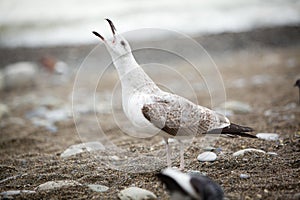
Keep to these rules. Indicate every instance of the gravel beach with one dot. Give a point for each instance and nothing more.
(258, 69)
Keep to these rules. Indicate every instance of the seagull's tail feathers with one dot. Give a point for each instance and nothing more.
(235, 130)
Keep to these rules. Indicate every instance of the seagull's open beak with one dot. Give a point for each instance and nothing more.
(113, 29)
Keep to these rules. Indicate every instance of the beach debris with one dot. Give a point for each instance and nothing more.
(59, 70)
(15, 192)
(235, 107)
(50, 185)
(244, 176)
(242, 152)
(98, 188)
(135, 193)
(4, 110)
(190, 186)
(268, 136)
(207, 156)
(79, 148)
(19, 75)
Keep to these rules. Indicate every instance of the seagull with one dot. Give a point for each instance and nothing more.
(190, 186)
(146, 105)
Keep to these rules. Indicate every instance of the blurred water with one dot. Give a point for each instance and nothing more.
(48, 23)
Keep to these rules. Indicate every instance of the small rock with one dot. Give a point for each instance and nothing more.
(79, 148)
(296, 196)
(135, 193)
(19, 75)
(268, 136)
(50, 185)
(272, 153)
(236, 107)
(195, 172)
(4, 110)
(16, 192)
(242, 152)
(98, 188)
(207, 156)
(208, 148)
(244, 176)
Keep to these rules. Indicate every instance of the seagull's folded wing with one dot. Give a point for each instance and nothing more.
(180, 117)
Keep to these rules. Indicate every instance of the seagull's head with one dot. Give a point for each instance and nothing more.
(117, 45)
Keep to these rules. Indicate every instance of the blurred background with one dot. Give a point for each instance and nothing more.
(50, 23)
(54, 72)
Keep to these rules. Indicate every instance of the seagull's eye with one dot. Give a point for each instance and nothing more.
(122, 43)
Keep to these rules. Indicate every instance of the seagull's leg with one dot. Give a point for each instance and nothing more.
(181, 144)
(169, 163)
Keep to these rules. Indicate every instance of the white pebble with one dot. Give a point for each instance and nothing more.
(242, 152)
(207, 156)
(272, 153)
(244, 176)
(98, 188)
(135, 193)
(4, 110)
(268, 136)
(79, 148)
(50, 185)
(16, 192)
(20, 75)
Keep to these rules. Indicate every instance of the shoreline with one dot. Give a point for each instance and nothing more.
(261, 38)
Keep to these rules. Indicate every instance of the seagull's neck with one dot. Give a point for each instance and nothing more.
(132, 76)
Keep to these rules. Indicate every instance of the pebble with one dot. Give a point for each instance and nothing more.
(196, 172)
(268, 136)
(208, 148)
(236, 107)
(50, 185)
(98, 188)
(135, 193)
(242, 152)
(42, 116)
(16, 192)
(4, 110)
(207, 156)
(19, 75)
(244, 176)
(272, 153)
(79, 148)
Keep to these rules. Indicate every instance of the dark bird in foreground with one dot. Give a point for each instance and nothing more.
(156, 111)
(190, 187)
(297, 84)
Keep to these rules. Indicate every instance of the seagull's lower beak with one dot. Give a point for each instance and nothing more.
(98, 35)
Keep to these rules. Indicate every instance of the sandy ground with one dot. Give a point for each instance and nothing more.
(260, 77)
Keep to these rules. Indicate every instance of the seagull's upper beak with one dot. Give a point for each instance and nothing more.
(113, 29)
